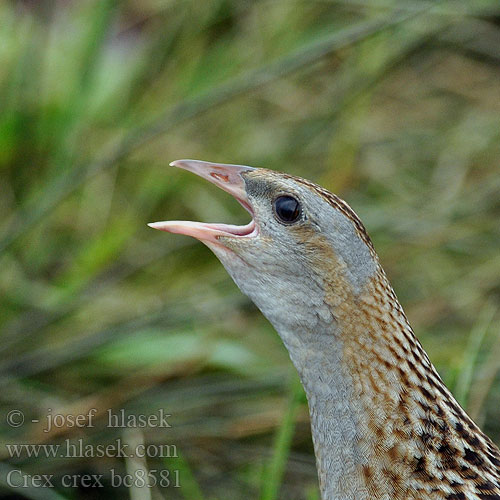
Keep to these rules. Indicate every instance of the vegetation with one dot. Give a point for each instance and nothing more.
(395, 106)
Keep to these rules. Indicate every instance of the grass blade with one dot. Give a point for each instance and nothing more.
(273, 472)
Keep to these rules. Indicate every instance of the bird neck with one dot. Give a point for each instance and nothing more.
(375, 400)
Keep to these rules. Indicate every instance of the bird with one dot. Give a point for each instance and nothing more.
(384, 425)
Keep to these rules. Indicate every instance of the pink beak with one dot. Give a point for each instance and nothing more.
(228, 178)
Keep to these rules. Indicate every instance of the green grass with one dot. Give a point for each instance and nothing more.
(392, 105)
(273, 472)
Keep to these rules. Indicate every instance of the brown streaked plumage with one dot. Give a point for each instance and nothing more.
(384, 425)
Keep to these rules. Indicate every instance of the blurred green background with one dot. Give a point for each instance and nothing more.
(395, 106)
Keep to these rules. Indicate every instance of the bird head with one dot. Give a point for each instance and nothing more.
(303, 253)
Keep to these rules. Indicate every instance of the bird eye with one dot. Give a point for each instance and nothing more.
(287, 209)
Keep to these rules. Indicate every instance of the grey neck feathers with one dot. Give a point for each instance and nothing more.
(336, 420)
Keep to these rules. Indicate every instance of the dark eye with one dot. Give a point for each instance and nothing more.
(287, 209)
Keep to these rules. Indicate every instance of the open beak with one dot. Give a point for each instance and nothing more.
(228, 178)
